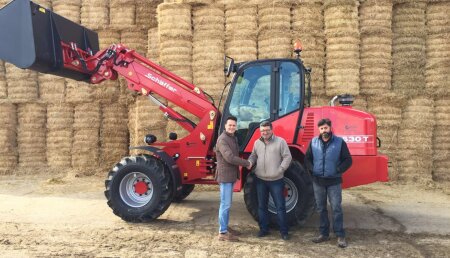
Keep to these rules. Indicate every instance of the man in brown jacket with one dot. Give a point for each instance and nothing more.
(272, 157)
(228, 162)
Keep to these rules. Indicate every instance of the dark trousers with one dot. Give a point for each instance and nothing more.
(275, 188)
(334, 194)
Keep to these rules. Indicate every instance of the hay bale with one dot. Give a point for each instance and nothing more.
(408, 48)
(174, 25)
(59, 116)
(108, 37)
(3, 88)
(241, 30)
(94, 14)
(122, 14)
(31, 135)
(68, 9)
(441, 140)
(342, 50)
(135, 38)
(153, 45)
(21, 84)
(8, 138)
(146, 14)
(375, 17)
(59, 135)
(113, 134)
(415, 140)
(208, 51)
(85, 150)
(51, 88)
(78, 92)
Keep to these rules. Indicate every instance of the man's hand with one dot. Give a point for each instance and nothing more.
(249, 166)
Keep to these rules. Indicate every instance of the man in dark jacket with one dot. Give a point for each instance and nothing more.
(227, 172)
(327, 158)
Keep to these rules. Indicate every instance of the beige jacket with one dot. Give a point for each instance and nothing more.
(271, 159)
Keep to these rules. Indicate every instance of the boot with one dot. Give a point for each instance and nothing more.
(228, 237)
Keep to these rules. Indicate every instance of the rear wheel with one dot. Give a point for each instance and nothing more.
(138, 188)
(186, 190)
(298, 192)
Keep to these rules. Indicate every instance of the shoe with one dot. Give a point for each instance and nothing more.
(228, 237)
(262, 233)
(320, 239)
(285, 237)
(341, 242)
(234, 232)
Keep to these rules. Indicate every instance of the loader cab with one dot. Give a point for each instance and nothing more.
(263, 90)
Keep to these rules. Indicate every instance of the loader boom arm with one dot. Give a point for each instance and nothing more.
(143, 76)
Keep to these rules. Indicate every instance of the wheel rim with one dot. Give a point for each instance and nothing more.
(290, 196)
(136, 189)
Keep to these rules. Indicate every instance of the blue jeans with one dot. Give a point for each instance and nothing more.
(275, 188)
(334, 193)
(226, 197)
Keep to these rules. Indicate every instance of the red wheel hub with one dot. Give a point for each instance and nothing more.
(140, 187)
(285, 192)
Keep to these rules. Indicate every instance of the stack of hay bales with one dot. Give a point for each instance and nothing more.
(241, 31)
(342, 49)
(31, 135)
(415, 152)
(175, 45)
(376, 46)
(3, 91)
(146, 14)
(408, 48)
(59, 135)
(68, 9)
(134, 38)
(94, 14)
(438, 48)
(274, 25)
(122, 14)
(85, 150)
(51, 88)
(145, 118)
(8, 138)
(307, 26)
(113, 134)
(387, 108)
(441, 140)
(21, 84)
(209, 49)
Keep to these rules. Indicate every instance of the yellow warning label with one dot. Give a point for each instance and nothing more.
(185, 174)
(197, 163)
(211, 125)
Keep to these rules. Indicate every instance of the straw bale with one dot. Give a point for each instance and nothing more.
(146, 14)
(31, 116)
(333, 3)
(114, 117)
(437, 18)
(208, 18)
(153, 45)
(114, 133)
(85, 151)
(274, 47)
(174, 21)
(241, 22)
(68, 9)
(8, 140)
(51, 88)
(307, 17)
(59, 116)
(8, 115)
(134, 38)
(108, 37)
(94, 14)
(3, 88)
(274, 18)
(122, 14)
(59, 148)
(87, 116)
(78, 92)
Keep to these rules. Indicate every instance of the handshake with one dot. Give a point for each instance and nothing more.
(249, 167)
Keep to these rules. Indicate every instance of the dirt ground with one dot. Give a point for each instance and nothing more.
(67, 216)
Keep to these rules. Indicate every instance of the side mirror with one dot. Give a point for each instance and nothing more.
(228, 69)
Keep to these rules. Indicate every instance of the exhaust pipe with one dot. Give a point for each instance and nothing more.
(31, 37)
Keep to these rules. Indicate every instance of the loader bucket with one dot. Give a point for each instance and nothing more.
(31, 36)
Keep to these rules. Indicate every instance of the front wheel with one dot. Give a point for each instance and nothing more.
(186, 190)
(138, 188)
(298, 193)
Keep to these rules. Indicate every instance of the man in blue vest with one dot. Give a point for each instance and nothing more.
(327, 158)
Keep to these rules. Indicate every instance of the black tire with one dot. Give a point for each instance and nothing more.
(300, 201)
(138, 188)
(186, 190)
